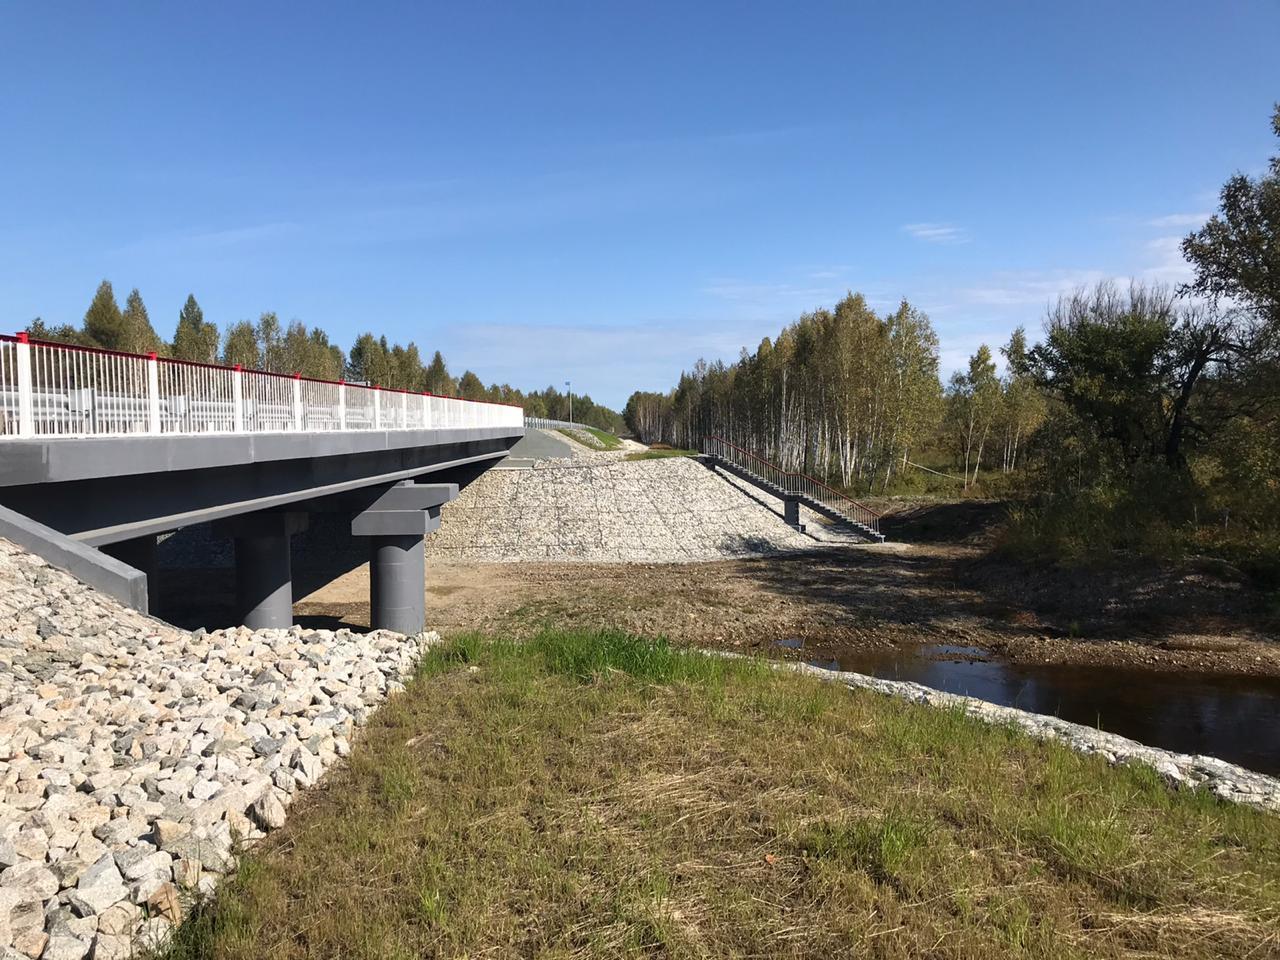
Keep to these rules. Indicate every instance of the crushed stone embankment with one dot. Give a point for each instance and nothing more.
(611, 511)
(134, 755)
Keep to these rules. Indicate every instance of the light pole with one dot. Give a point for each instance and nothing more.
(570, 389)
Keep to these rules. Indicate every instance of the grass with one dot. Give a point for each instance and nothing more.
(597, 795)
(604, 439)
(661, 453)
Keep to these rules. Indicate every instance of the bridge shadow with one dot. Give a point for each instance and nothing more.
(197, 575)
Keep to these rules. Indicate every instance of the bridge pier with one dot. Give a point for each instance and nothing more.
(396, 524)
(791, 513)
(264, 568)
(397, 583)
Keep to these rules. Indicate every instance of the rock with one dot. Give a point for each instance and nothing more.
(108, 946)
(20, 911)
(268, 812)
(267, 746)
(154, 933)
(139, 862)
(120, 919)
(35, 878)
(66, 948)
(31, 943)
(164, 903)
(31, 844)
(99, 887)
(186, 873)
(167, 832)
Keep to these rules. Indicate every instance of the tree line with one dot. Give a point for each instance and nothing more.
(293, 348)
(1141, 414)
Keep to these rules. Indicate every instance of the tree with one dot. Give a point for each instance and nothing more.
(1237, 253)
(1023, 409)
(1130, 366)
(326, 360)
(103, 322)
(194, 339)
(406, 366)
(973, 399)
(241, 347)
(136, 332)
(271, 343)
(370, 361)
(470, 387)
(437, 379)
(37, 329)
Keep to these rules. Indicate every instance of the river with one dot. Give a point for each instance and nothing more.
(1231, 717)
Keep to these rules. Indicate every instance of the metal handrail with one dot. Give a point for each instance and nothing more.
(790, 482)
(50, 389)
(543, 423)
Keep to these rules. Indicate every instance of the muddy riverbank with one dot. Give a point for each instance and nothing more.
(856, 599)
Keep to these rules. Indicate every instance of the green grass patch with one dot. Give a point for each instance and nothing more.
(594, 794)
(592, 437)
(660, 454)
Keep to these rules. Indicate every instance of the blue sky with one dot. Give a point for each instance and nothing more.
(605, 192)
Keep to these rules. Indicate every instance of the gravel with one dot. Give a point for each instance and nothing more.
(606, 510)
(135, 756)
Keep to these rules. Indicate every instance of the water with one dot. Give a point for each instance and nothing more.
(1234, 718)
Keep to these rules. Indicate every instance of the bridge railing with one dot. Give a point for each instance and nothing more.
(59, 390)
(798, 484)
(542, 423)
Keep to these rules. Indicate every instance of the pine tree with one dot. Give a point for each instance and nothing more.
(194, 339)
(137, 334)
(438, 380)
(470, 387)
(103, 322)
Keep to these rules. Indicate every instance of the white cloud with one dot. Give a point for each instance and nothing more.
(206, 241)
(1180, 220)
(1170, 266)
(937, 232)
(1029, 287)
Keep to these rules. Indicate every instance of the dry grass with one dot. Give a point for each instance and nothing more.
(592, 795)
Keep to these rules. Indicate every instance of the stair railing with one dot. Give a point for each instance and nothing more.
(789, 482)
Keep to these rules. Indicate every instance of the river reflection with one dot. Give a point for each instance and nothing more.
(1235, 718)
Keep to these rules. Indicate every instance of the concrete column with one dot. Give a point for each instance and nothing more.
(264, 581)
(140, 553)
(395, 520)
(264, 569)
(397, 583)
(791, 513)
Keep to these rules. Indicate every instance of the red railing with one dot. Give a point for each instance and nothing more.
(790, 482)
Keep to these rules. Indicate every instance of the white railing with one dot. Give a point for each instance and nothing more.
(56, 390)
(795, 484)
(542, 423)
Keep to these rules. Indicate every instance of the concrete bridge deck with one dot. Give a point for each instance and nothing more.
(107, 450)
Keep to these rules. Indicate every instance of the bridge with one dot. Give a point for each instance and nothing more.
(101, 452)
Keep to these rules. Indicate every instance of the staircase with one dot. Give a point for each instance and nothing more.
(791, 488)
